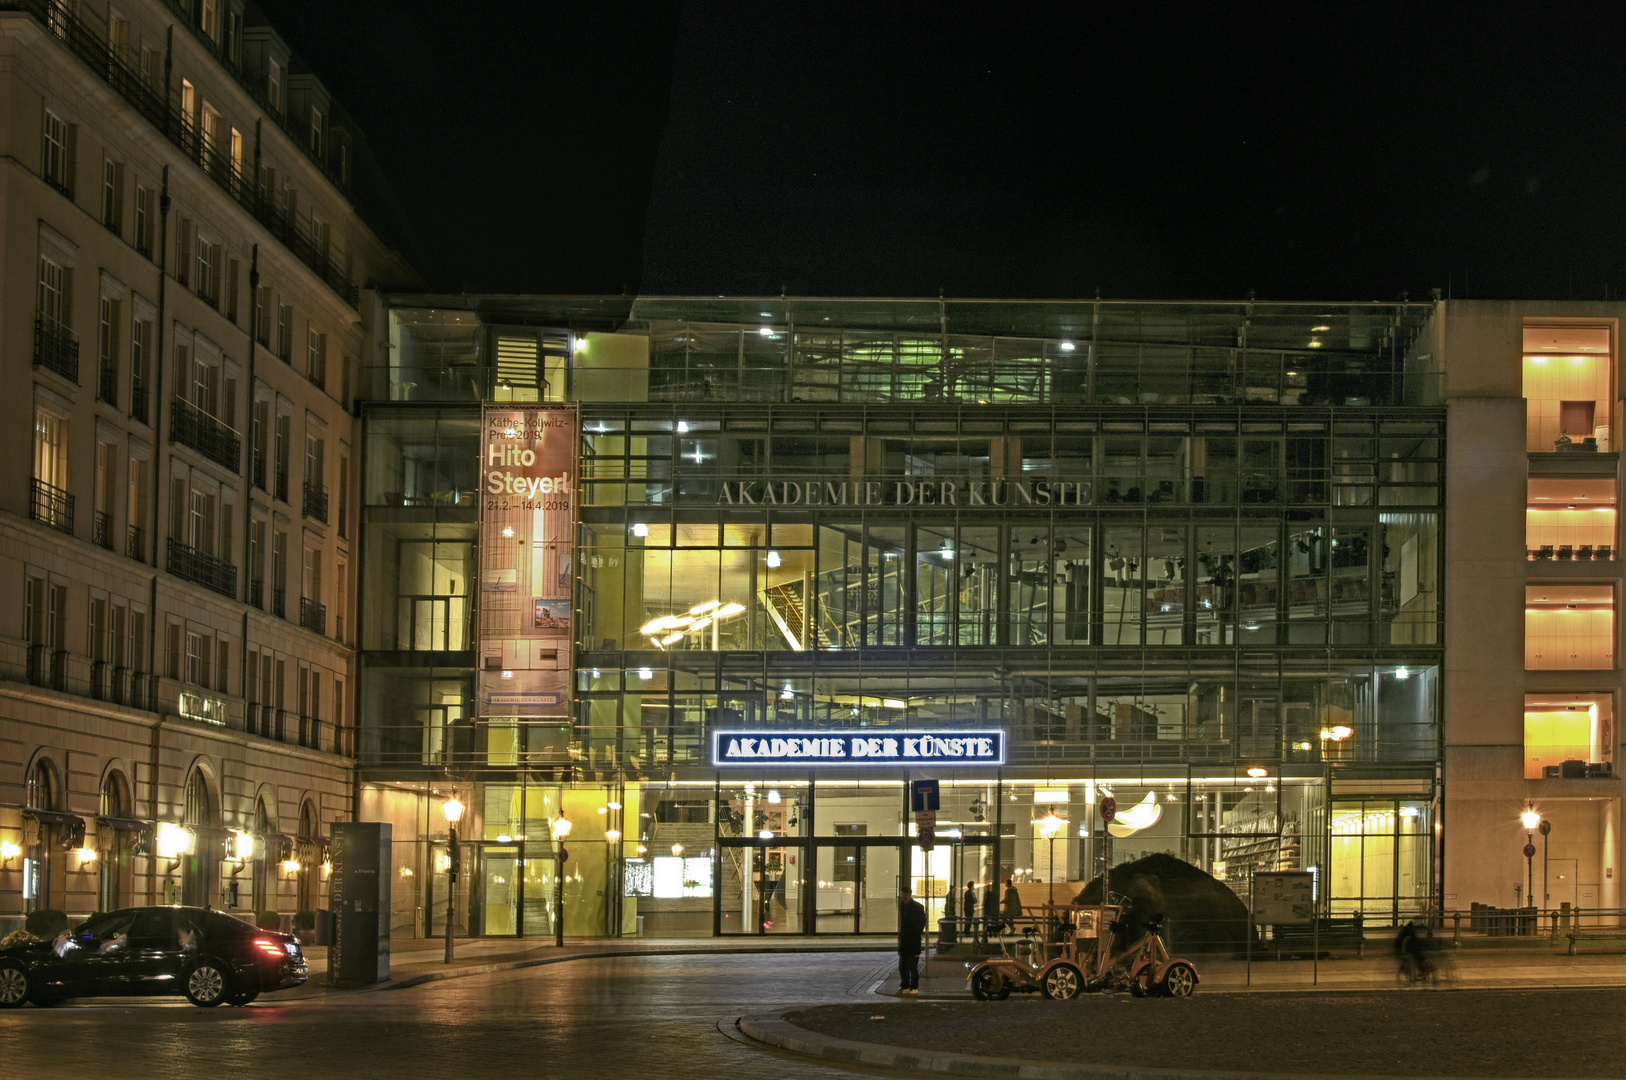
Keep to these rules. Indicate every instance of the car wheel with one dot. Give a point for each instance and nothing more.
(1179, 980)
(206, 984)
(14, 985)
(1063, 982)
(241, 998)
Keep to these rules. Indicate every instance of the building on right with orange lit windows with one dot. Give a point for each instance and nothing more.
(1531, 696)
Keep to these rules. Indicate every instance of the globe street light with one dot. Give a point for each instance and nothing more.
(454, 813)
(561, 829)
(1530, 819)
(1049, 826)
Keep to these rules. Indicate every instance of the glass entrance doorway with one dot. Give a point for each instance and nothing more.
(762, 887)
(857, 885)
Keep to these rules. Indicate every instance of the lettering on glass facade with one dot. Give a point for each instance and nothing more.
(527, 515)
(955, 493)
(857, 747)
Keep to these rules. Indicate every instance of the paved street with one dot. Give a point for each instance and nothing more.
(632, 1017)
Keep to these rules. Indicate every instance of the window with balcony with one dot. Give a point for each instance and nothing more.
(140, 350)
(113, 195)
(1569, 627)
(1571, 520)
(107, 351)
(1568, 736)
(56, 154)
(51, 503)
(1568, 380)
(55, 345)
(285, 331)
(143, 220)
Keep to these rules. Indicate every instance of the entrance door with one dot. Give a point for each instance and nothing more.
(762, 887)
(501, 892)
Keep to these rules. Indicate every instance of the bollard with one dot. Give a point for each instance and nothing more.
(1456, 929)
(1360, 935)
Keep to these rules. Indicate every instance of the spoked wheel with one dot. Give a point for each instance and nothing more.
(13, 985)
(1179, 981)
(988, 985)
(1063, 982)
(206, 985)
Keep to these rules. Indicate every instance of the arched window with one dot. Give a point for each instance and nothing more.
(199, 807)
(115, 796)
(114, 862)
(308, 857)
(198, 886)
(307, 820)
(42, 786)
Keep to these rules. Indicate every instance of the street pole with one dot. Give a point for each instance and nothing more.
(451, 890)
(559, 899)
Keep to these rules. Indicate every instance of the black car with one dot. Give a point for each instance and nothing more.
(206, 955)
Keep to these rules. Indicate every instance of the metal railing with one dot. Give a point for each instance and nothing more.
(312, 615)
(51, 506)
(256, 592)
(88, 41)
(101, 529)
(191, 426)
(257, 468)
(282, 484)
(138, 399)
(107, 382)
(310, 731)
(56, 348)
(316, 502)
(135, 543)
(279, 603)
(201, 568)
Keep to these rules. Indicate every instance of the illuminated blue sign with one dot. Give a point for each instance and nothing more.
(889, 747)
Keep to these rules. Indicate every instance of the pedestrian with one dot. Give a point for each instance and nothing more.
(1013, 904)
(990, 908)
(970, 909)
(911, 928)
(947, 927)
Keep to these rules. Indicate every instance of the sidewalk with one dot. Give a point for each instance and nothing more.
(414, 961)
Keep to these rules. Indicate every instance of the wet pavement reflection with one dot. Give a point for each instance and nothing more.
(633, 1017)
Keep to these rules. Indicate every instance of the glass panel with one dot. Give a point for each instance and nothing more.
(499, 901)
(878, 878)
(1410, 610)
(1124, 576)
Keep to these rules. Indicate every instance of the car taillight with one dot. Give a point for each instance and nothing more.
(269, 947)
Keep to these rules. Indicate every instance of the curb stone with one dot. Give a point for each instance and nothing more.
(774, 1030)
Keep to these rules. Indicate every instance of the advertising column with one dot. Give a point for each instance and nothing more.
(527, 525)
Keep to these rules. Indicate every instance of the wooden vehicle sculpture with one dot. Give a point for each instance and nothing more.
(1088, 951)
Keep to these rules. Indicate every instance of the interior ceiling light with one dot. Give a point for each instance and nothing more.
(1142, 815)
(1319, 329)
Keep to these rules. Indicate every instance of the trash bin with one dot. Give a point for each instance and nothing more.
(640, 926)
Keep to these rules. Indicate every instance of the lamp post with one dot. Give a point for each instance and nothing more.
(560, 829)
(1530, 819)
(454, 813)
(1545, 828)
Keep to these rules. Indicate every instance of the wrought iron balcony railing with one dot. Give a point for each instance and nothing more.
(107, 382)
(191, 426)
(51, 505)
(138, 400)
(316, 502)
(135, 544)
(56, 348)
(256, 592)
(282, 484)
(279, 603)
(201, 568)
(101, 529)
(312, 616)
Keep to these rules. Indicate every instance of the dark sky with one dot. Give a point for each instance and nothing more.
(1143, 150)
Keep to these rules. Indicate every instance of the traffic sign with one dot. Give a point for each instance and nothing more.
(926, 838)
(926, 819)
(1109, 809)
(1530, 851)
(563, 854)
(923, 796)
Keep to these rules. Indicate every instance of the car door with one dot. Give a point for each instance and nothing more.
(155, 953)
(93, 958)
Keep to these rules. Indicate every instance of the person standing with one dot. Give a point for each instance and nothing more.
(911, 928)
(970, 909)
(1013, 904)
(990, 908)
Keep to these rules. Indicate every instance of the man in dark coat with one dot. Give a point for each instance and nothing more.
(911, 928)
(990, 909)
(970, 908)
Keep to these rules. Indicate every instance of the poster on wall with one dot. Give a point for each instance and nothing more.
(527, 525)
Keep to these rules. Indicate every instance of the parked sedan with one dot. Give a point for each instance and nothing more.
(206, 955)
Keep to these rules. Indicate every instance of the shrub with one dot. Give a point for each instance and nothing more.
(46, 922)
(18, 937)
(268, 920)
(304, 920)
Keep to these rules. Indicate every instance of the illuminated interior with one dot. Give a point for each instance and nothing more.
(1567, 384)
(1570, 519)
(1559, 728)
(1569, 627)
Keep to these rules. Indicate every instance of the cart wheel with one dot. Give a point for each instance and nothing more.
(986, 985)
(1179, 980)
(1137, 987)
(1062, 982)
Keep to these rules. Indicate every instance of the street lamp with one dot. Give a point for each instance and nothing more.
(454, 813)
(1530, 819)
(561, 829)
(1546, 828)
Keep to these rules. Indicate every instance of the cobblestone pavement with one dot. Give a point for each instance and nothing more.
(631, 1018)
(1468, 1033)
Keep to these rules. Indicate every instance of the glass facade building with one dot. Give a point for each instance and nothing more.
(1188, 555)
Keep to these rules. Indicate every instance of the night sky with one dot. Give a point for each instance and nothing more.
(1142, 150)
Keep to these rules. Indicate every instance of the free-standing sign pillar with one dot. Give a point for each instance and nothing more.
(359, 891)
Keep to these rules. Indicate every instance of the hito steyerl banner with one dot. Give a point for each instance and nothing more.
(527, 521)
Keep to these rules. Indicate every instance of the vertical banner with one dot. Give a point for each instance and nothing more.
(527, 530)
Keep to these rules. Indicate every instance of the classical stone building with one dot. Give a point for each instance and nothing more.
(187, 223)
